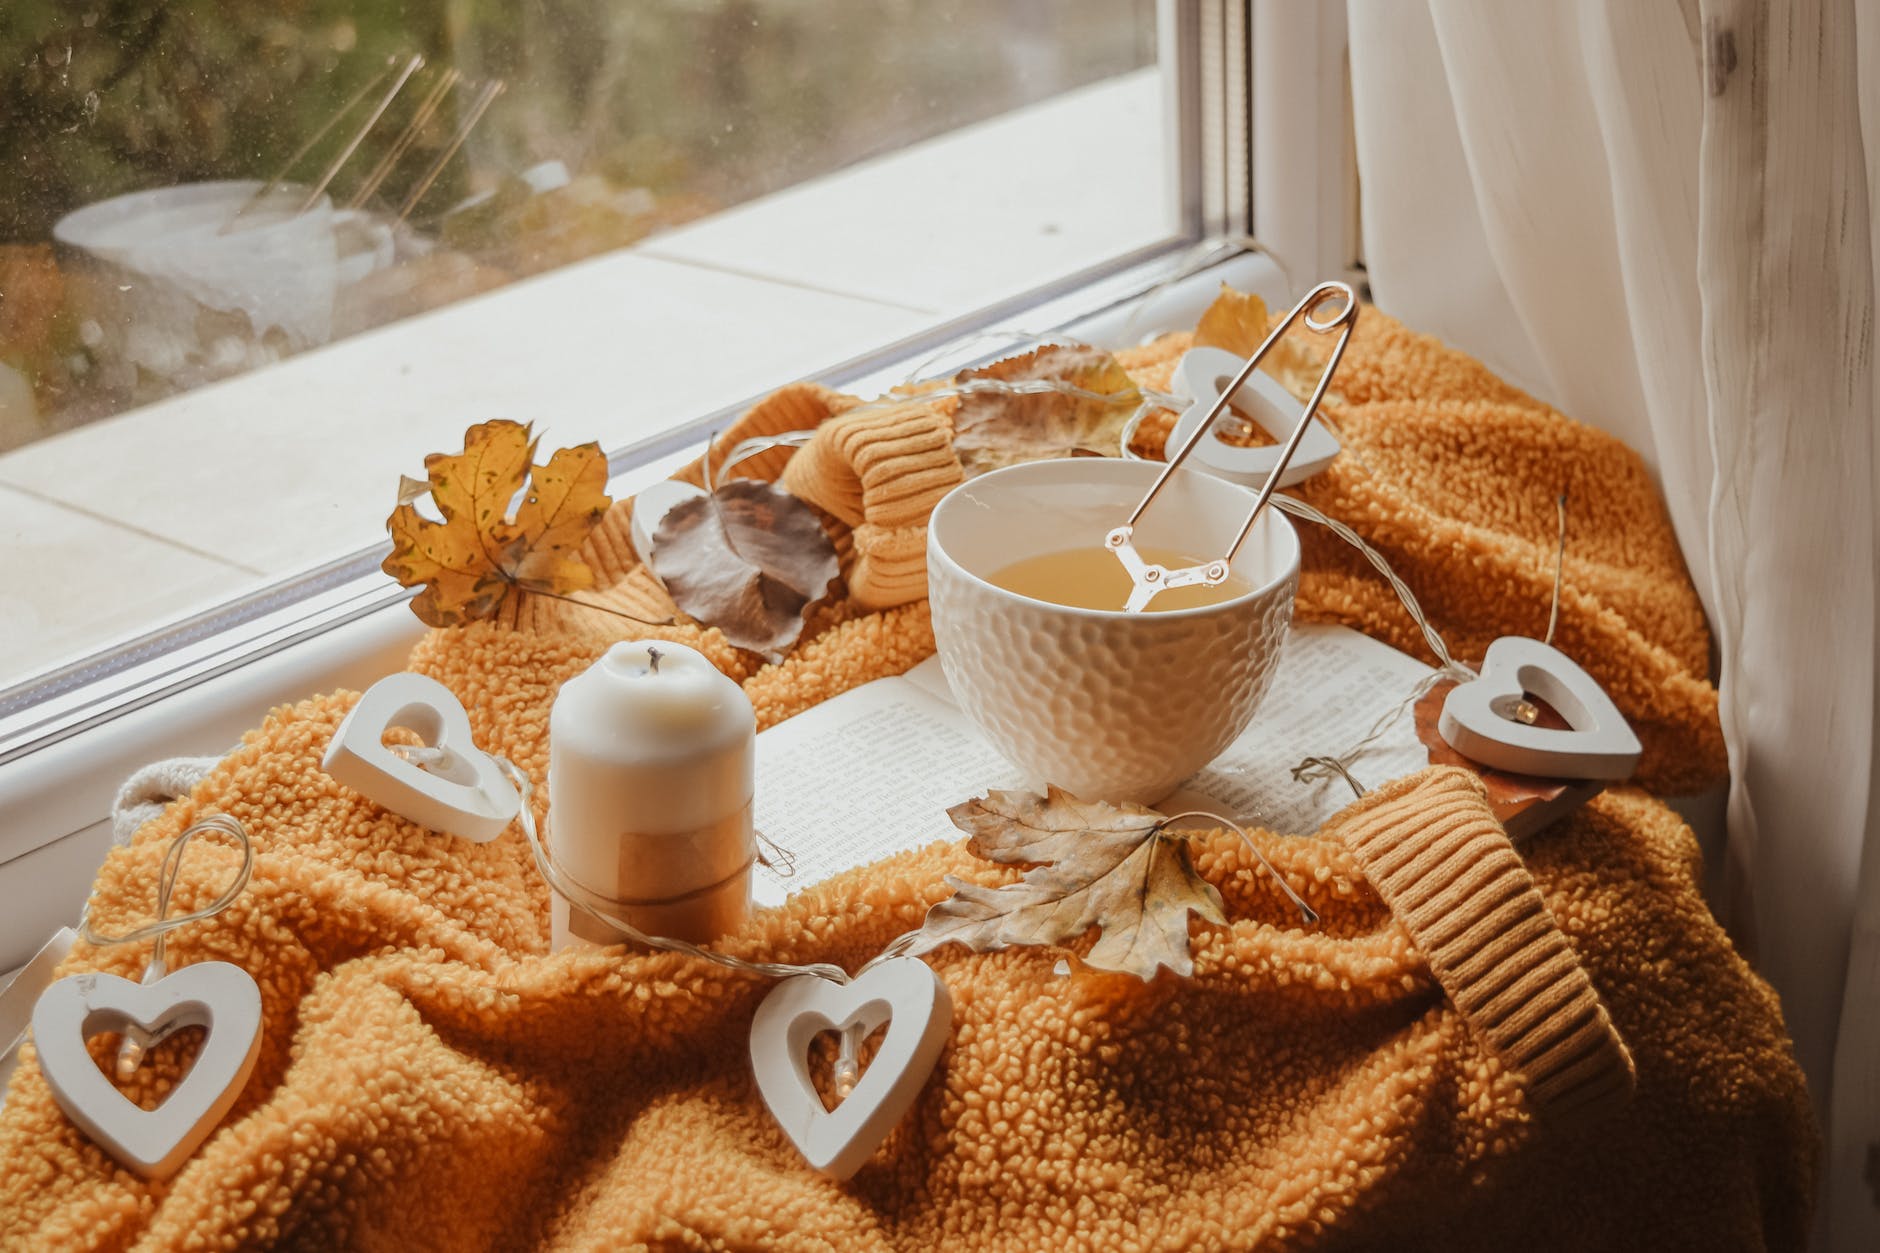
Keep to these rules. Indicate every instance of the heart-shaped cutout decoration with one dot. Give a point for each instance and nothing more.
(463, 794)
(1202, 374)
(1478, 718)
(216, 996)
(905, 994)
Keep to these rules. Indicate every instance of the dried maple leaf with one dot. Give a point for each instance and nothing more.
(750, 559)
(1113, 867)
(1238, 321)
(994, 429)
(471, 561)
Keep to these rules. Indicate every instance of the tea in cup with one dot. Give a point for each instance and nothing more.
(1027, 613)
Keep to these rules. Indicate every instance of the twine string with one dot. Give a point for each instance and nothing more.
(1306, 911)
(167, 876)
(1450, 666)
(136, 1040)
(1560, 569)
(774, 857)
(1312, 769)
(590, 904)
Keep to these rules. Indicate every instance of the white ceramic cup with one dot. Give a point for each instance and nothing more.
(1106, 704)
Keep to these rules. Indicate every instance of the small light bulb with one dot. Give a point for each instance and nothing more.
(130, 1055)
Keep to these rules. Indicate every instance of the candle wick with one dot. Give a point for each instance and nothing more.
(652, 659)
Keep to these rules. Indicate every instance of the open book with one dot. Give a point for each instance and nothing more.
(873, 771)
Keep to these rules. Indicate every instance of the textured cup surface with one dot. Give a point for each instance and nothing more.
(1108, 705)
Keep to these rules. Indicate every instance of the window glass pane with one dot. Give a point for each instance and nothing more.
(256, 260)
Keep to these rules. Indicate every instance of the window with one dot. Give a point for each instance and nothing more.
(256, 262)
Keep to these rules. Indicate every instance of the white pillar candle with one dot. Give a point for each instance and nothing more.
(651, 771)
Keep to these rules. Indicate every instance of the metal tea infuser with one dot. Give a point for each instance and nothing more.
(1147, 578)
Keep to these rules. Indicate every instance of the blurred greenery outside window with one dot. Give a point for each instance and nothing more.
(137, 260)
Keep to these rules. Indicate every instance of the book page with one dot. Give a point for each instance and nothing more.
(873, 771)
(1333, 686)
(868, 773)
(930, 678)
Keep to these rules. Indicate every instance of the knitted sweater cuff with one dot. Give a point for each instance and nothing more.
(1432, 849)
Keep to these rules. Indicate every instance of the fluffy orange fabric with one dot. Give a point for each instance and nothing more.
(429, 1080)
(1438, 1071)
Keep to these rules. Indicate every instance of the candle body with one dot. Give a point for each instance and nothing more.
(650, 779)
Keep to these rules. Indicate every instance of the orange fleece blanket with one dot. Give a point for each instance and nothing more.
(1434, 1065)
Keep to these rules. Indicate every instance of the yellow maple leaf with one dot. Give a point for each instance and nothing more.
(1238, 321)
(470, 562)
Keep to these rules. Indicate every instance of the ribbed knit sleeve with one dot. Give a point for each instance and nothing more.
(1432, 849)
(880, 470)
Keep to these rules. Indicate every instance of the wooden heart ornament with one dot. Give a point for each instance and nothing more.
(1202, 374)
(1480, 718)
(464, 793)
(905, 994)
(217, 996)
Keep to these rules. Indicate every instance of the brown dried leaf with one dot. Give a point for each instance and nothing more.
(1238, 321)
(1110, 867)
(470, 562)
(992, 430)
(750, 560)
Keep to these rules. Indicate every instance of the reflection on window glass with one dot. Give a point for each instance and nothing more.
(197, 189)
(257, 260)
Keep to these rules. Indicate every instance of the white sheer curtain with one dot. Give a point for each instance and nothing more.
(1655, 214)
